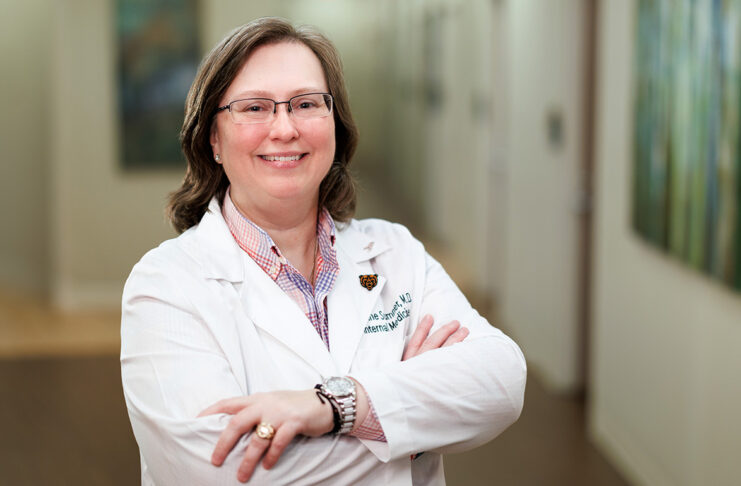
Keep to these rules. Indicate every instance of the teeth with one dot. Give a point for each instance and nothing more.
(272, 158)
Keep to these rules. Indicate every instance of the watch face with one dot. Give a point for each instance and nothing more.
(340, 386)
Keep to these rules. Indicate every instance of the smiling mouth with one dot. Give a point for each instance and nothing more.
(287, 158)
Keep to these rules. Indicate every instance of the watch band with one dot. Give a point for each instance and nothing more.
(336, 420)
(347, 413)
(341, 392)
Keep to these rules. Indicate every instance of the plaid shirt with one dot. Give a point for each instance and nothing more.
(311, 299)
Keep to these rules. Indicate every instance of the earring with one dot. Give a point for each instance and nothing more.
(217, 157)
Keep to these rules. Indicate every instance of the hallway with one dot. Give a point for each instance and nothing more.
(505, 134)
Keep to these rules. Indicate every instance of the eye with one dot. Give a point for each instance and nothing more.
(252, 106)
(305, 104)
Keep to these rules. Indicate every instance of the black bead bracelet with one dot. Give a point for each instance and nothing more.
(335, 409)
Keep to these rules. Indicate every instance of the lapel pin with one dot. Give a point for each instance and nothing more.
(368, 247)
(369, 281)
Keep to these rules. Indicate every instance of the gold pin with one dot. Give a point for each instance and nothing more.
(369, 281)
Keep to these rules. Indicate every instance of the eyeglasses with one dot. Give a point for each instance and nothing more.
(260, 110)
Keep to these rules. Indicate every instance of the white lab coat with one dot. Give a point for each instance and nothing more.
(202, 322)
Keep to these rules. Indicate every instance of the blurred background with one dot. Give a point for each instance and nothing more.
(499, 131)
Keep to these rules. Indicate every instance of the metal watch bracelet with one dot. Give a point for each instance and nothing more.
(342, 393)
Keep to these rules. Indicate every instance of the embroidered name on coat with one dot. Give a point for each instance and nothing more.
(388, 321)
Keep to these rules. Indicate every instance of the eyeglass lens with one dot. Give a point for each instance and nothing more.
(258, 110)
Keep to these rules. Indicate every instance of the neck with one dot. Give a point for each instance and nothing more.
(291, 225)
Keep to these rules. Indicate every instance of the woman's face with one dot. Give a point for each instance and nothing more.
(249, 152)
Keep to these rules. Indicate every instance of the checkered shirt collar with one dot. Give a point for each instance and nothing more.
(263, 250)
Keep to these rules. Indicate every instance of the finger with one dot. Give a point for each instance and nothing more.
(418, 337)
(255, 450)
(420, 334)
(239, 425)
(228, 405)
(456, 337)
(438, 337)
(282, 438)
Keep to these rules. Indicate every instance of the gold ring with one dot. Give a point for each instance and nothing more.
(264, 431)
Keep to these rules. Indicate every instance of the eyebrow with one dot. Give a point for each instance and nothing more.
(259, 93)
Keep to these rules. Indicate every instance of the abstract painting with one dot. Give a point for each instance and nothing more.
(158, 54)
(687, 132)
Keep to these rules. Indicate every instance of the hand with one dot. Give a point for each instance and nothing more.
(422, 342)
(289, 412)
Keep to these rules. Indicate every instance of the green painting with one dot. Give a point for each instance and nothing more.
(687, 133)
(158, 55)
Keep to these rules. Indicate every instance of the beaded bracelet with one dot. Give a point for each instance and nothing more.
(335, 409)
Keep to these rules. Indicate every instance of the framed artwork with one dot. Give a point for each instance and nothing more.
(687, 132)
(158, 55)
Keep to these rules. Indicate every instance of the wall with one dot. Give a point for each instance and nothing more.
(25, 85)
(545, 71)
(665, 391)
(103, 219)
(442, 63)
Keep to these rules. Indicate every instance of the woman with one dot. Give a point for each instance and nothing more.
(276, 338)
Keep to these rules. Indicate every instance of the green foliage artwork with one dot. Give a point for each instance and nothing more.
(687, 134)
(158, 54)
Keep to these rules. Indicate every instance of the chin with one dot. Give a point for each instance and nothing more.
(289, 192)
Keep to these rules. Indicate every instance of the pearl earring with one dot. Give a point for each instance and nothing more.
(217, 157)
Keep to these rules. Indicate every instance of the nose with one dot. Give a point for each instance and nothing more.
(283, 126)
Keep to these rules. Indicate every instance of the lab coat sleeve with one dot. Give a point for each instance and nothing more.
(173, 368)
(449, 399)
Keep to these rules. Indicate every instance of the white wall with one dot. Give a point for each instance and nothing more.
(441, 153)
(103, 220)
(25, 85)
(665, 392)
(539, 302)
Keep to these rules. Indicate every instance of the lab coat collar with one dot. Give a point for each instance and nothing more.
(350, 304)
(219, 249)
(359, 246)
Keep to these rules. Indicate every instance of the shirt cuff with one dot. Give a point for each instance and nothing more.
(371, 427)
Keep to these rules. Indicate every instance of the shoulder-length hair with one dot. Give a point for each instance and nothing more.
(204, 178)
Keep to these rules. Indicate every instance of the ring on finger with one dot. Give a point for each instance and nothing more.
(264, 431)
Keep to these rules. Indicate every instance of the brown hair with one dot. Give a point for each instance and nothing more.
(204, 178)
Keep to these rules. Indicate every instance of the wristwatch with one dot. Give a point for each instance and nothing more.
(341, 391)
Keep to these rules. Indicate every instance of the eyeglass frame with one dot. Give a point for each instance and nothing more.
(228, 106)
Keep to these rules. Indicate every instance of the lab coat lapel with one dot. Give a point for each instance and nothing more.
(271, 309)
(350, 304)
(262, 301)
